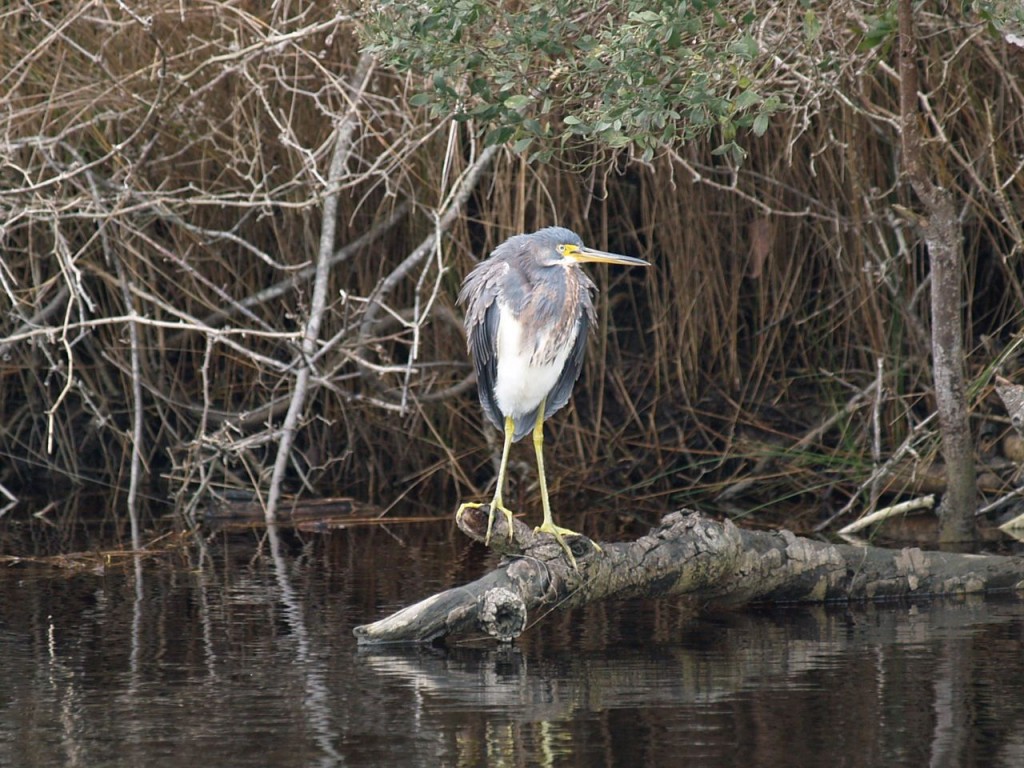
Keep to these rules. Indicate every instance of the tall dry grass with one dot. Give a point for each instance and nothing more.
(162, 180)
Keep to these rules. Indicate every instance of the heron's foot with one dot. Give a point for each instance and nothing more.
(493, 507)
(558, 532)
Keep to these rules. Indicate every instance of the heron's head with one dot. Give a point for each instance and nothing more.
(557, 245)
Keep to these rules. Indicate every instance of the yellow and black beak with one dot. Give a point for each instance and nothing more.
(584, 254)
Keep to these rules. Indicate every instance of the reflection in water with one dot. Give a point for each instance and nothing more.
(244, 656)
(315, 702)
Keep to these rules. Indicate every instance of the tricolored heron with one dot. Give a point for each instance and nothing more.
(528, 311)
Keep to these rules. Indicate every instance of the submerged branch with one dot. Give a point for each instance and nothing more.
(688, 555)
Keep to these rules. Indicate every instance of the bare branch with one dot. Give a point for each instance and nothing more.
(343, 142)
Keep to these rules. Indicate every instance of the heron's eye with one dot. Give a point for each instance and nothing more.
(560, 248)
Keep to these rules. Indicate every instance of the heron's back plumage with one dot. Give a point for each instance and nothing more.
(523, 297)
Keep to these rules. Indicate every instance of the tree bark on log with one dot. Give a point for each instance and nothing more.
(687, 555)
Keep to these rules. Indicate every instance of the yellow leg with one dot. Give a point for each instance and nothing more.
(496, 503)
(548, 526)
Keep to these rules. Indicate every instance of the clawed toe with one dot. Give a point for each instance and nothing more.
(559, 533)
(494, 506)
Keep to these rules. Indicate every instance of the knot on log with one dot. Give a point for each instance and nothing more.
(502, 614)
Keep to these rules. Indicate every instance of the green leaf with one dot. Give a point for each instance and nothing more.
(879, 32)
(747, 99)
(760, 125)
(499, 135)
(420, 99)
(533, 126)
(645, 17)
(541, 156)
(746, 47)
(485, 111)
(517, 102)
(812, 26)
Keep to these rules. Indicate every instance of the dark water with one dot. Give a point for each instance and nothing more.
(239, 652)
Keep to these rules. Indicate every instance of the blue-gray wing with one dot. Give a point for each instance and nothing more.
(484, 340)
(480, 294)
(560, 393)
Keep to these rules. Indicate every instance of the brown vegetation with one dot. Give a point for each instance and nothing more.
(162, 181)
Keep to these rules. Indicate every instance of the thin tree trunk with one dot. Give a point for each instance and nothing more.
(942, 235)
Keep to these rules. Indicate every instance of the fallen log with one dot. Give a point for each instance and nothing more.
(688, 554)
